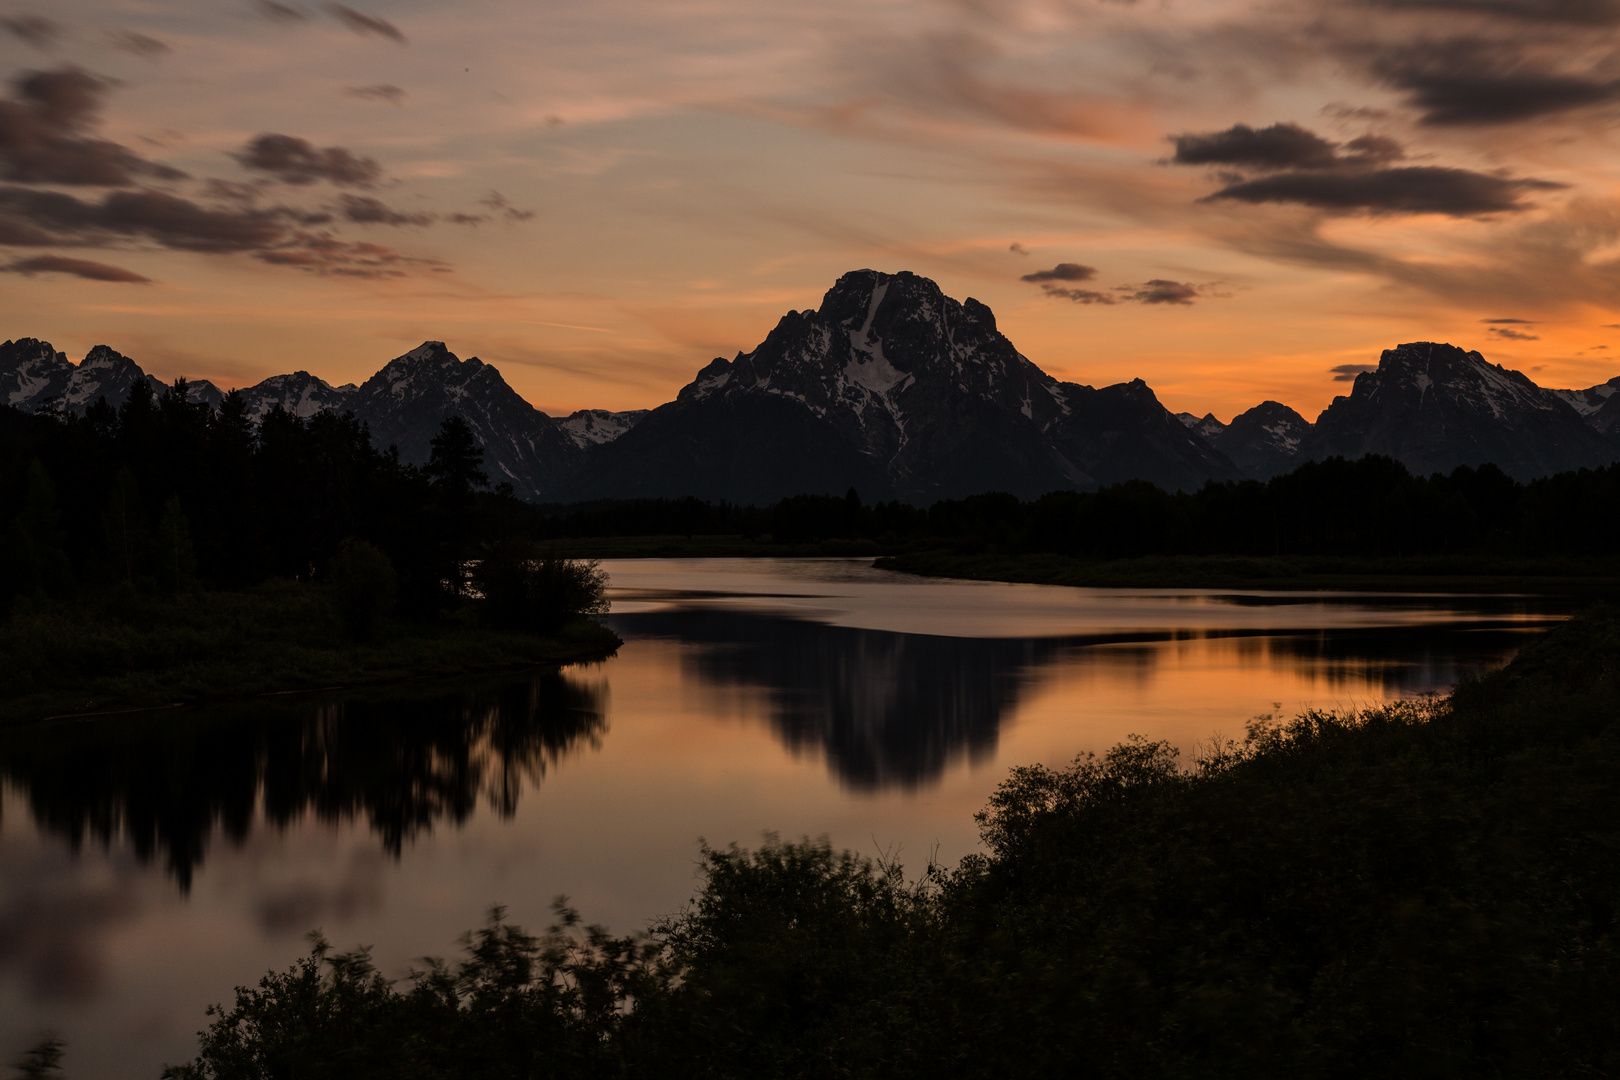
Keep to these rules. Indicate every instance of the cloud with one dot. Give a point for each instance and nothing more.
(1017, 249)
(30, 217)
(1504, 322)
(138, 44)
(44, 135)
(1079, 296)
(320, 254)
(1159, 291)
(1511, 334)
(1424, 189)
(1063, 272)
(1279, 146)
(378, 92)
(1348, 372)
(1470, 84)
(498, 205)
(84, 268)
(295, 161)
(1154, 291)
(1571, 12)
(282, 13)
(366, 24)
(36, 30)
(365, 210)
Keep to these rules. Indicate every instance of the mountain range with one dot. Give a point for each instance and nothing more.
(899, 391)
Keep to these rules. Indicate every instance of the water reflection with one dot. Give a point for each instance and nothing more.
(895, 710)
(161, 783)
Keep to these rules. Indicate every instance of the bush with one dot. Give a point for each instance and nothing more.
(523, 590)
(360, 581)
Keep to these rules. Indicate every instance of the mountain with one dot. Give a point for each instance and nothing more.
(1598, 405)
(1206, 427)
(897, 390)
(1434, 407)
(593, 427)
(407, 400)
(1265, 441)
(33, 375)
(300, 393)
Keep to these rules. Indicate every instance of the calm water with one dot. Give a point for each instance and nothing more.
(149, 864)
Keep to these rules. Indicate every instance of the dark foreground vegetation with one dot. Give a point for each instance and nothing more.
(1429, 889)
(165, 551)
(1352, 517)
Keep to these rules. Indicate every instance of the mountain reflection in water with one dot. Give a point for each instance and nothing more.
(162, 782)
(894, 710)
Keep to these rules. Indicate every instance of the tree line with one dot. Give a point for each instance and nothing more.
(162, 494)
(1374, 506)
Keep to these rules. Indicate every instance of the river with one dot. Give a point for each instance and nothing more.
(149, 864)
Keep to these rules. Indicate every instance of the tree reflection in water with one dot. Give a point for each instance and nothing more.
(162, 782)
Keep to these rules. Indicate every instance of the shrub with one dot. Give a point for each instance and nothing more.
(523, 590)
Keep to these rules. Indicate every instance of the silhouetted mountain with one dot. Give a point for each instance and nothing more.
(1598, 405)
(1434, 407)
(407, 400)
(1206, 427)
(300, 393)
(593, 427)
(898, 390)
(1265, 441)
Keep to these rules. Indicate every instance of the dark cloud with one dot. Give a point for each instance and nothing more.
(366, 24)
(138, 44)
(1341, 111)
(1506, 322)
(30, 217)
(45, 135)
(1280, 146)
(1511, 334)
(321, 254)
(1159, 291)
(1474, 96)
(1570, 12)
(1409, 190)
(498, 206)
(36, 30)
(365, 210)
(1063, 272)
(1348, 372)
(295, 161)
(282, 13)
(1611, 326)
(1079, 296)
(378, 92)
(1017, 249)
(84, 268)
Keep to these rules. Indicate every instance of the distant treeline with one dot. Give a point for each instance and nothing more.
(165, 494)
(1373, 506)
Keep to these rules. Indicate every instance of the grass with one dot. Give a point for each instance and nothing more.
(1439, 573)
(129, 651)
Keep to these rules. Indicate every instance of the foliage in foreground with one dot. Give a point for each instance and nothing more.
(1428, 889)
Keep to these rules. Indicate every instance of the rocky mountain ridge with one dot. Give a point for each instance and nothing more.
(899, 391)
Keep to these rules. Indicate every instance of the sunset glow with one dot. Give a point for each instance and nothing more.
(600, 199)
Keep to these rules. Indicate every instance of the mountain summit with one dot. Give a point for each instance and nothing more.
(898, 390)
(1435, 407)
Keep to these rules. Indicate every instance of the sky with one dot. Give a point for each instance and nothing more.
(1233, 201)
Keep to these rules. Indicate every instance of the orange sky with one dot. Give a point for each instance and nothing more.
(599, 198)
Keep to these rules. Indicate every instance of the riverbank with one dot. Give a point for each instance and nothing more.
(1587, 577)
(129, 651)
